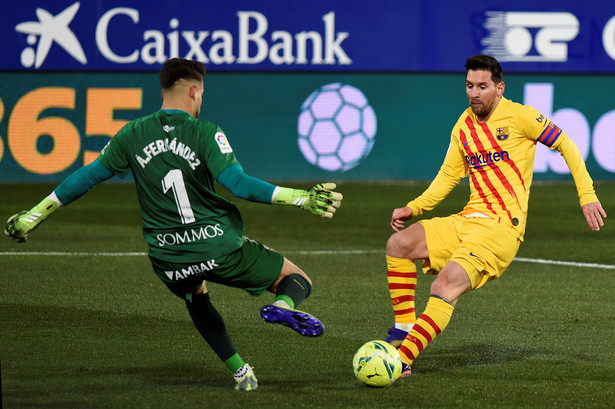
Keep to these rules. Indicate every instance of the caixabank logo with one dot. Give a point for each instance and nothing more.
(136, 38)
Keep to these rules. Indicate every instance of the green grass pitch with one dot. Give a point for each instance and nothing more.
(83, 327)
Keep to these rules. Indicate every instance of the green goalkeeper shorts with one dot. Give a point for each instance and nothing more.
(253, 268)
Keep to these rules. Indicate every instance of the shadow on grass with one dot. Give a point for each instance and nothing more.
(64, 346)
(175, 374)
(473, 355)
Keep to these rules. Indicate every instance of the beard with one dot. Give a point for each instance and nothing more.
(481, 110)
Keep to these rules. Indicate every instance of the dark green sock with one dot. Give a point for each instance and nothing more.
(294, 287)
(210, 325)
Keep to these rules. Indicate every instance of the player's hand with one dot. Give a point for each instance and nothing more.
(320, 200)
(19, 225)
(594, 213)
(400, 217)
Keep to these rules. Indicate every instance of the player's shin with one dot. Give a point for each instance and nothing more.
(402, 278)
(210, 325)
(428, 326)
(292, 290)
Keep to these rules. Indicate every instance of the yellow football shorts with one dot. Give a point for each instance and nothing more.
(480, 245)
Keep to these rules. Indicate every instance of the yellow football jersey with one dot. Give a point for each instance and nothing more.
(498, 157)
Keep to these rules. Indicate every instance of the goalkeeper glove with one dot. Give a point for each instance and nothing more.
(19, 225)
(320, 200)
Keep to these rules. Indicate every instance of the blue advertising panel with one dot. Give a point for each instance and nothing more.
(549, 36)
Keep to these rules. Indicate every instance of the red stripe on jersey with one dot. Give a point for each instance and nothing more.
(479, 189)
(481, 171)
(398, 274)
(494, 167)
(498, 148)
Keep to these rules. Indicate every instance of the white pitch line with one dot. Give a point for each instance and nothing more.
(563, 263)
(68, 253)
(317, 252)
(302, 252)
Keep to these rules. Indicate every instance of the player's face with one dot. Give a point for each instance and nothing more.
(483, 94)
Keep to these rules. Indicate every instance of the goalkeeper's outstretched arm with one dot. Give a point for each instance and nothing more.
(320, 200)
(19, 225)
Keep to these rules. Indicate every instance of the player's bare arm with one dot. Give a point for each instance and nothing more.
(594, 213)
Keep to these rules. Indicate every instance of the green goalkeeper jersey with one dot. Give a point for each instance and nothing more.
(175, 160)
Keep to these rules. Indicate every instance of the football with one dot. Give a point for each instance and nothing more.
(337, 127)
(377, 363)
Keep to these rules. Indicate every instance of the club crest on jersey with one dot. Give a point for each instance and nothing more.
(502, 133)
(223, 144)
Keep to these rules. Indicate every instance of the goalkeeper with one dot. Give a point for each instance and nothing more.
(193, 234)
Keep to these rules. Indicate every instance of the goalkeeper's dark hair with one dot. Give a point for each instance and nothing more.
(178, 68)
(486, 63)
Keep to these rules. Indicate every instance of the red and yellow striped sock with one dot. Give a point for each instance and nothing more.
(401, 276)
(432, 322)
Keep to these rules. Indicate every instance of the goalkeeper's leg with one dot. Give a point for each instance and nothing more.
(210, 325)
(291, 288)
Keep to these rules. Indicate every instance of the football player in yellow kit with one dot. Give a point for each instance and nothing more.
(493, 143)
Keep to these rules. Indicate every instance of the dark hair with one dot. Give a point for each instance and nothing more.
(178, 68)
(486, 63)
